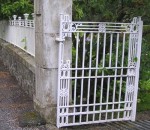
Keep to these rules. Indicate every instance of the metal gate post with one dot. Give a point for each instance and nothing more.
(139, 43)
(63, 89)
(60, 59)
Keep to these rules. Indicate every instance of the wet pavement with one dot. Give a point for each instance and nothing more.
(14, 103)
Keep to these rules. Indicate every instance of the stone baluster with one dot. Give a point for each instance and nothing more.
(14, 19)
(19, 21)
(26, 19)
(33, 17)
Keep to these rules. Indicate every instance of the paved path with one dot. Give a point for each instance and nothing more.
(14, 102)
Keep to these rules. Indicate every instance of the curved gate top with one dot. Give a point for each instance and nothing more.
(100, 82)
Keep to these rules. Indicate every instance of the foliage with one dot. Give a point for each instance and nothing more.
(145, 64)
(111, 10)
(17, 7)
(143, 102)
(123, 11)
(24, 40)
(145, 85)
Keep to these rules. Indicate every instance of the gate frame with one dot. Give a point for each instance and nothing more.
(66, 30)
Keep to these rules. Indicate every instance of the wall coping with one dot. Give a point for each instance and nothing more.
(24, 57)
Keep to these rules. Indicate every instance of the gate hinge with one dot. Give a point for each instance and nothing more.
(60, 39)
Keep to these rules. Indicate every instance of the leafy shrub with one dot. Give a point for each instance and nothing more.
(15, 7)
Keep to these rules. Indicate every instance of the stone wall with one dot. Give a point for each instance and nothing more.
(20, 64)
(20, 36)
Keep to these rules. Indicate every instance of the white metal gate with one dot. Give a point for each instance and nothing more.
(100, 83)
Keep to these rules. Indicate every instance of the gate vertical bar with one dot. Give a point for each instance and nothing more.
(89, 79)
(82, 80)
(127, 78)
(76, 73)
(122, 65)
(139, 43)
(96, 72)
(110, 52)
(107, 98)
(102, 79)
(115, 77)
(59, 63)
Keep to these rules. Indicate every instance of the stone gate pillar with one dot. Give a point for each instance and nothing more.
(47, 17)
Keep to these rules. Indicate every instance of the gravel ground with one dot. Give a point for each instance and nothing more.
(143, 115)
(13, 102)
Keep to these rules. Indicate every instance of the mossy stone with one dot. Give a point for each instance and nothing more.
(31, 119)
